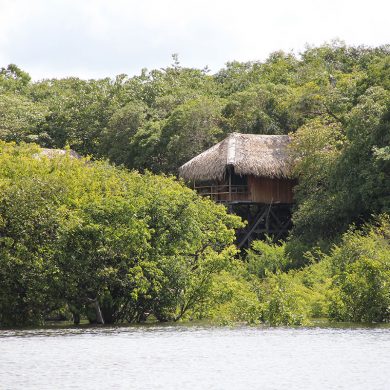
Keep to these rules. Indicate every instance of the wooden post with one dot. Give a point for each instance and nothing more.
(230, 184)
(267, 217)
(261, 216)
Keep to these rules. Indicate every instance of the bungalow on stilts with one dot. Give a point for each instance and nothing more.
(252, 175)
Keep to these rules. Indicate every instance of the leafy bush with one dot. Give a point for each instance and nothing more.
(80, 234)
(281, 302)
(233, 298)
(361, 275)
(266, 257)
(288, 297)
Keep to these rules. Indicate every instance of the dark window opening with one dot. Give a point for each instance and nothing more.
(238, 180)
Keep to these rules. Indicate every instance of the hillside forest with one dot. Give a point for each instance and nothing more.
(114, 237)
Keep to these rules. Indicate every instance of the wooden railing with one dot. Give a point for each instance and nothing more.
(223, 192)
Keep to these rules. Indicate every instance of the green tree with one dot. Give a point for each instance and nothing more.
(361, 275)
(264, 109)
(20, 118)
(104, 242)
(13, 79)
(190, 129)
(117, 141)
(78, 111)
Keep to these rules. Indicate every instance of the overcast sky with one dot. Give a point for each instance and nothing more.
(99, 38)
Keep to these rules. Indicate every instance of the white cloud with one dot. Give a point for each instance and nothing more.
(96, 38)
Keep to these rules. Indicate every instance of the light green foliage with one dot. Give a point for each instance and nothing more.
(145, 244)
(382, 153)
(311, 284)
(29, 214)
(75, 232)
(79, 111)
(190, 129)
(287, 297)
(314, 283)
(264, 109)
(361, 275)
(13, 79)
(350, 284)
(265, 257)
(281, 303)
(19, 118)
(233, 298)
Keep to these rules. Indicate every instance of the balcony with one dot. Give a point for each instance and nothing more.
(225, 192)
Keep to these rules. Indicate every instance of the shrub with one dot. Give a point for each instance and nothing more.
(266, 257)
(84, 234)
(361, 274)
(233, 299)
(281, 303)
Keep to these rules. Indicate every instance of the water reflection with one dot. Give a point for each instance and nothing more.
(195, 357)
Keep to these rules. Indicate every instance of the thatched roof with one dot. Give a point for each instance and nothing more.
(50, 153)
(249, 154)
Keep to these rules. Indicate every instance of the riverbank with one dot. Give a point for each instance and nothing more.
(84, 325)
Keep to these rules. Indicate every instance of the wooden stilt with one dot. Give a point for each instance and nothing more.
(283, 230)
(273, 220)
(261, 216)
(230, 185)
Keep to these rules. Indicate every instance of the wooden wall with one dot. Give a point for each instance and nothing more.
(251, 189)
(266, 190)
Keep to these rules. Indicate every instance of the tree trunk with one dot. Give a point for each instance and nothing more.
(99, 316)
(76, 318)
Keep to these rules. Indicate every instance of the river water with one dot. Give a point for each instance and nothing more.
(195, 357)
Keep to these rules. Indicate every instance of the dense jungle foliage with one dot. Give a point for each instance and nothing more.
(87, 238)
(76, 234)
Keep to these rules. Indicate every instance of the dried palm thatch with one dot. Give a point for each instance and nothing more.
(249, 154)
(51, 153)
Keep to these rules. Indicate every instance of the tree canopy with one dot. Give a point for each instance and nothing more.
(73, 232)
(113, 231)
(333, 99)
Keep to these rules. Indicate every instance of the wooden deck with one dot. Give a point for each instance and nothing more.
(225, 192)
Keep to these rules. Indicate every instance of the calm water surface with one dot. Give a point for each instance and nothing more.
(178, 357)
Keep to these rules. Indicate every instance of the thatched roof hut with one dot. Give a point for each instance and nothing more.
(252, 174)
(51, 153)
(249, 154)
